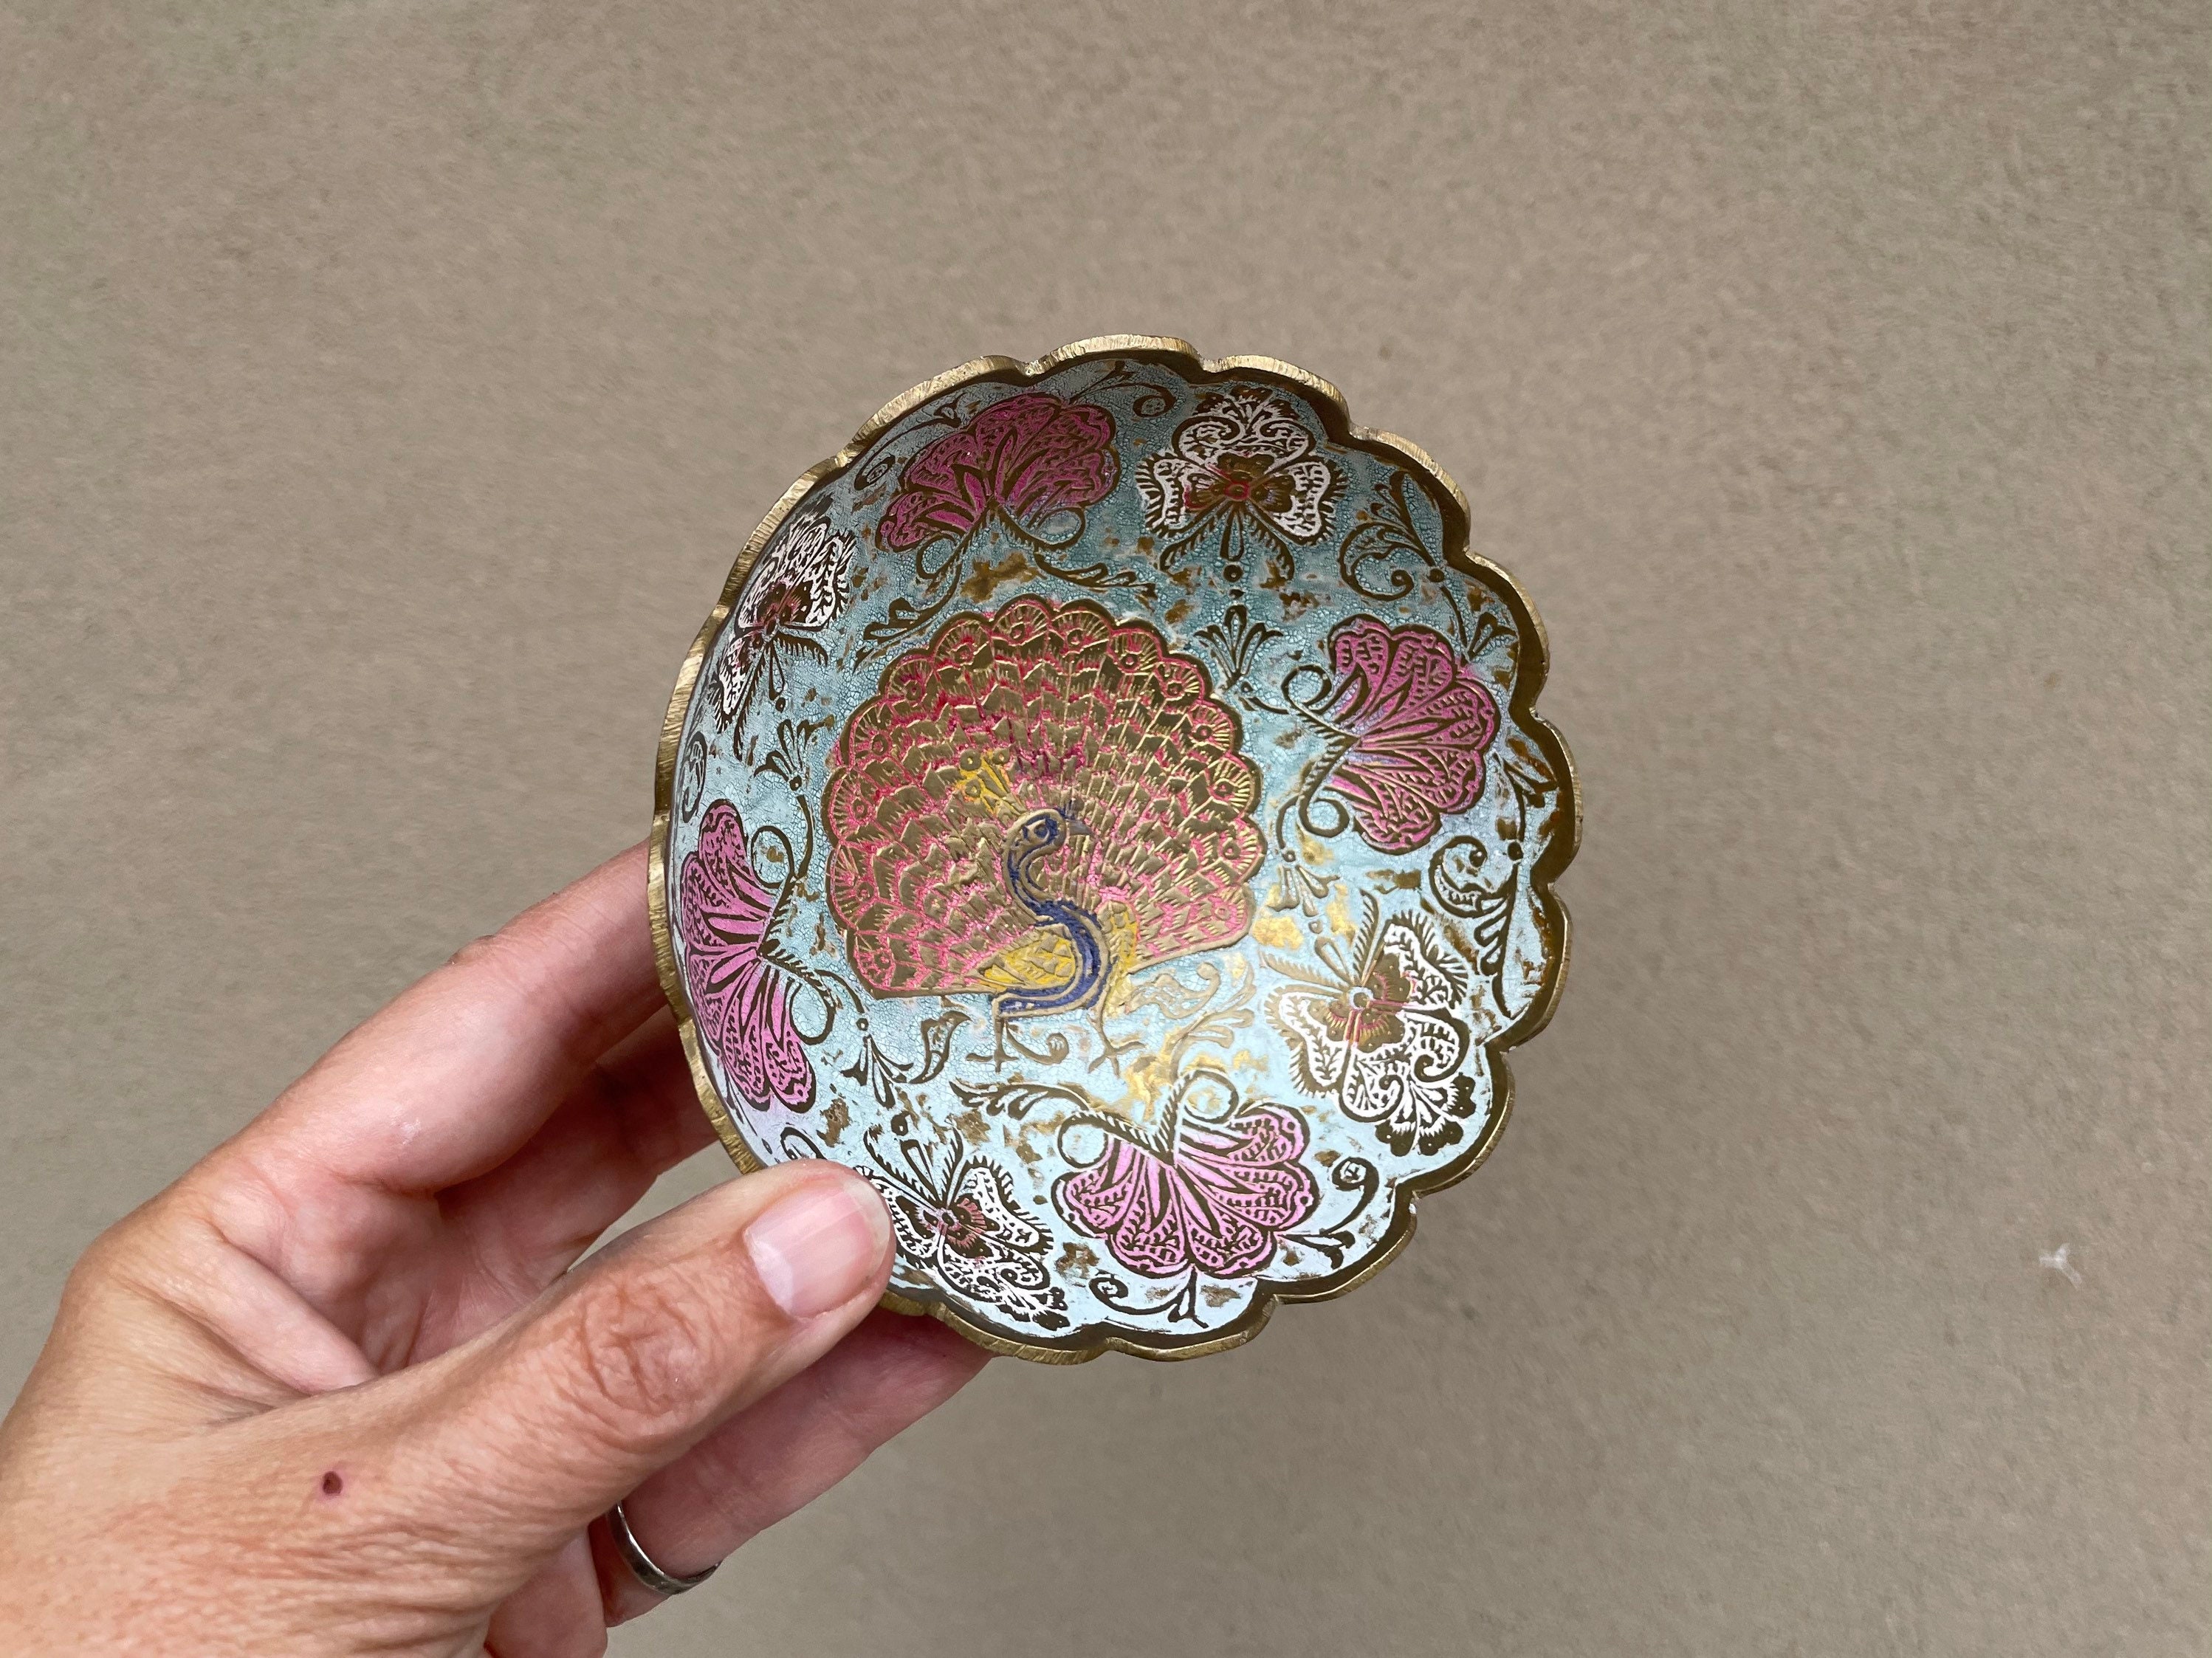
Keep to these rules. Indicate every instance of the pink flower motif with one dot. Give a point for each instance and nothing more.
(1211, 1194)
(1026, 457)
(742, 1000)
(1415, 724)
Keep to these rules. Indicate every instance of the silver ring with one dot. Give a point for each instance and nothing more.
(641, 1564)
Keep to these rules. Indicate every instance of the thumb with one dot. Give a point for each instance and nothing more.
(548, 1420)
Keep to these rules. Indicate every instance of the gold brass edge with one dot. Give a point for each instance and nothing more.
(1532, 670)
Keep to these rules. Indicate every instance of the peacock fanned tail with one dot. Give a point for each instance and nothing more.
(1036, 706)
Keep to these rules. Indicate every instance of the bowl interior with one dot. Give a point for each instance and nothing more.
(1107, 811)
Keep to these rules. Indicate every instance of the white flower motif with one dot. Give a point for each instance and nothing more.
(957, 1223)
(1241, 462)
(799, 587)
(1382, 1030)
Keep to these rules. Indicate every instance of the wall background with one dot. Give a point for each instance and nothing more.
(386, 387)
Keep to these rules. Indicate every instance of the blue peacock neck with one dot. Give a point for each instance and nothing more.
(1036, 836)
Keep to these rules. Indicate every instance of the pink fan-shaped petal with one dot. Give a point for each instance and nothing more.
(1128, 1199)
(1241, 1184)
(1030, 456)
(1421, 724)
(742, 1002)
(1224, 1192)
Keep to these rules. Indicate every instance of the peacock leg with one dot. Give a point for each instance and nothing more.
(998, 1054)
(1110, 1052)
(1006, 1042)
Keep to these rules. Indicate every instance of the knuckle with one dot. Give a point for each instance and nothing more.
(100, 1263)
(476, 950)
(641, 1362)
(109, 1265)
(523, 939)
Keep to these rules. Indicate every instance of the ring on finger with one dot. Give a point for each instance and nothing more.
(643, 1565)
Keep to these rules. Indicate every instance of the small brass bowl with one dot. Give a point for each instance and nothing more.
(1107, 810)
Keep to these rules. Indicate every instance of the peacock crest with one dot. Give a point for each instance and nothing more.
(1037, 804)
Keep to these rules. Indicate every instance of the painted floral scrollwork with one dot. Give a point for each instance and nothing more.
(1488, 900)
(1380, 535)
(881, 1075)
(1242, 474)
(1407, 726)
(1380, 1028)
(956, 1217)
(740, 981)
(692, 776)
(1204, 1193)
(1028, 466)
(798, 588)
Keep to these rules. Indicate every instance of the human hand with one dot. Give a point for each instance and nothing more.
(337, 1391)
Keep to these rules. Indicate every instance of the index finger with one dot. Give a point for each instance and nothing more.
(459, 1071)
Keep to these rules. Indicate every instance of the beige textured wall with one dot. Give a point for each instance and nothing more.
(385, 388)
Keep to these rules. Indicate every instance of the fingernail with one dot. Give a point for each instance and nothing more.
(820, 1246)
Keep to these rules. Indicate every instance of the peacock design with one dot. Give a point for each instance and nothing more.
(961, 819)
(1036, 804)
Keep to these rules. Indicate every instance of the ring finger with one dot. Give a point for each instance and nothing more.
(784, 1451)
